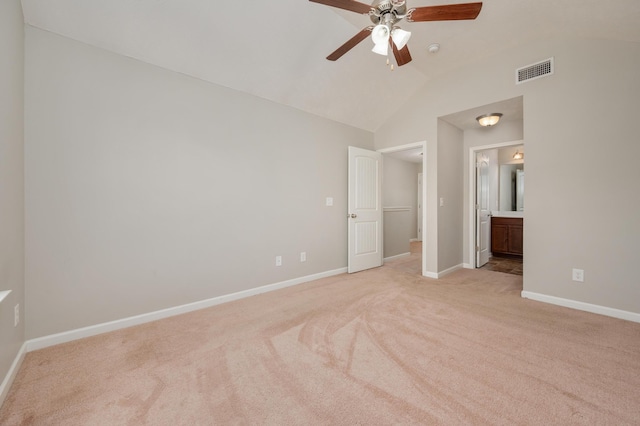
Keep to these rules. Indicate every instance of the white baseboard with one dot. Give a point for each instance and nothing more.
(386, 259)
(11, 374)
(582, 306)
(80, 333)
(441, 274)
(449, 270)
(468, 266)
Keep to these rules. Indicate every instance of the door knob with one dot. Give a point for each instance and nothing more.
(352, 215)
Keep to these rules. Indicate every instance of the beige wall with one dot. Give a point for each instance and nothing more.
(580, 131)
(147, 189)
(450, 196)
(11, 181)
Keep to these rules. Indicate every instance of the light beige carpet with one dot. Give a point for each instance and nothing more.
(378, 347)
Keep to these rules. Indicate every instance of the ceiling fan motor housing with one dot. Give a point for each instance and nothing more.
(387, 11)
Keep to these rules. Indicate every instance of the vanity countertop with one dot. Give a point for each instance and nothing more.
(507, 214)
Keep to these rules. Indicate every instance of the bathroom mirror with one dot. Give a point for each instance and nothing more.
(511, 187)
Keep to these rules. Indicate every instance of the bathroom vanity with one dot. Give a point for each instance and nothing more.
(506, 233)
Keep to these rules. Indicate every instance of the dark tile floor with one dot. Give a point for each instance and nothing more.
(508, 265)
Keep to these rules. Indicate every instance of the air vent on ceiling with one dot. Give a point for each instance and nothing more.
(533, 71)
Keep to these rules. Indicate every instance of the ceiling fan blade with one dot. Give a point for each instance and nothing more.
(351, 5)
(402, 56)
(450, 12)
(350, 44)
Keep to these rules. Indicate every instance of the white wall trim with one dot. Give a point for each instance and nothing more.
(11, 374)
(449, 270)
(386, 259)
(468, 266)
(582, 306)
(437, 275)
(80, 333)
(396, 209)
(402, 147)
(4, 294)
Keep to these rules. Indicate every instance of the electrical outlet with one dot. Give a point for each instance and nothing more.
(278, 260)
(16, 315)
(578, 275)
(303, 256)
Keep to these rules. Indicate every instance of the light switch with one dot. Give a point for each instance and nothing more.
(441, 201)
(329, 201)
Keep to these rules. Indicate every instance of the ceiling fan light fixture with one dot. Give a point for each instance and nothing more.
(400, 37)
(380, 34)
(488, 120)
(381, 49)
(384, 14)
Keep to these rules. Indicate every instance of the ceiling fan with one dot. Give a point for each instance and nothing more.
(385, 14)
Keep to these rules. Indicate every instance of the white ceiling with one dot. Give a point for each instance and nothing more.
(277, 50)
(511, 110)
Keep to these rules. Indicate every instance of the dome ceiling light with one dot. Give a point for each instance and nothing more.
(488, 120)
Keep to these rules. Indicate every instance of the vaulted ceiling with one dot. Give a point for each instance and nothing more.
(277, 50)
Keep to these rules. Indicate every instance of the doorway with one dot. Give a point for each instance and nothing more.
(484, 200)
(415, 152)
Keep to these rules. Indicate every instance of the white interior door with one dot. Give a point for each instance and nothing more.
(365, 209)
(483, 218)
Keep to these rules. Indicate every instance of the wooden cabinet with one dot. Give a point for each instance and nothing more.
(506, 235)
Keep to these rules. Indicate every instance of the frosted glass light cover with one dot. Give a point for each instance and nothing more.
(380, 34)
(489, 119)
(381, 48)
(400, 37)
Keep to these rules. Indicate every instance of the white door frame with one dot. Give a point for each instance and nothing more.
(420, 204)
(483, 221)
(471, 218)
(423, 145)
